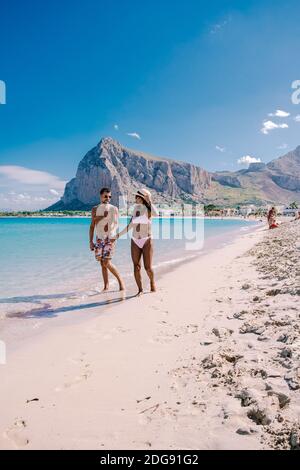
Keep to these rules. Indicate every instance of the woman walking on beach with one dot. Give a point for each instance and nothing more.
(141, 239)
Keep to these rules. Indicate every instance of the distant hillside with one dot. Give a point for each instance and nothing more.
(124, 170)
(274, 182)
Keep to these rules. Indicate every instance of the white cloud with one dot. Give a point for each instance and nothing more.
(220, 149)
(24, 201)
(116, 127)
(135, 135)
(297, 118)
(270, 126)
(54, 192)
(247, 159)
(216, 28)
(32, 177)
(282, 146)
(279, 113)
(26, 189)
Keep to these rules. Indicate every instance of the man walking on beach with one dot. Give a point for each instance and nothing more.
(105, 221)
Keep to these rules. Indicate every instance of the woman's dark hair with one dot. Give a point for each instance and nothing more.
(147, 204)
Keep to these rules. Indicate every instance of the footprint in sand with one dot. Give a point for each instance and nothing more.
(192, 328)
(16, 433)
(162, 339)
(154, 307)
(178, 383)
(77, 360)
(121, 329)
(118, 329)
(107, 336)
(77, 380)
(194, 409)
(144, 419)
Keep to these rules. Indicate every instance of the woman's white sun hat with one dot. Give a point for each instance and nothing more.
(145, 194)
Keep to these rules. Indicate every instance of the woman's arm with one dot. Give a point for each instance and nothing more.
(154, 211)
(125, 230)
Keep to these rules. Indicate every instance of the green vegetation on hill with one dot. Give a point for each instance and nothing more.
(41, 213)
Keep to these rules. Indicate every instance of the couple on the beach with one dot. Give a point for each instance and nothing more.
(105, 222)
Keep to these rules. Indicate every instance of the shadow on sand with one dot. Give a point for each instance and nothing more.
(35, 298)
(47, 311)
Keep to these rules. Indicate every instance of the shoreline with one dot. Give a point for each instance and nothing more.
(229, 217)
(26, 324)
(139, 375)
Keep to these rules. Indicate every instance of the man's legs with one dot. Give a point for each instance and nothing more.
(99, 257)
(108, 266)
(104, 274)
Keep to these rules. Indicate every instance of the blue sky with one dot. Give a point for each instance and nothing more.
(194, 80)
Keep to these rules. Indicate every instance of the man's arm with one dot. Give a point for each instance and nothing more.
(92, 228)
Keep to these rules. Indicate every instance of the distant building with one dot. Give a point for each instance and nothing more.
(247, 210)
(230, 211)
(290, 212)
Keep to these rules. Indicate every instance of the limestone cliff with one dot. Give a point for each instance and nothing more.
(124, 170)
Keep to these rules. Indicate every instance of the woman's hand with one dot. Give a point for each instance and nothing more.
(92, 246)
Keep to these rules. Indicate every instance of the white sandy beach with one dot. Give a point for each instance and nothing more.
(211, 361)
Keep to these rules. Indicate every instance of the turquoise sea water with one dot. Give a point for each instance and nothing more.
(51, 257)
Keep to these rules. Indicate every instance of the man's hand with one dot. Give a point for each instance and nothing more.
(92, 246)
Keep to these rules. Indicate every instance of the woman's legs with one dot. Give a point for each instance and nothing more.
(147, 258)
(136, 254)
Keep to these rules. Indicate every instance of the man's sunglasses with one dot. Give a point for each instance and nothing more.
(107, 196)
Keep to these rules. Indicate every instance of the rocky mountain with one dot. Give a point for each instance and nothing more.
(124, 170)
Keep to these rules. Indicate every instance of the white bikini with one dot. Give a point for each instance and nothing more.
(136, 222)
(141, 220)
